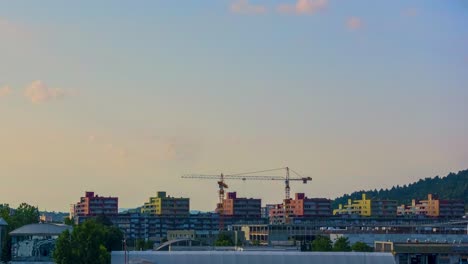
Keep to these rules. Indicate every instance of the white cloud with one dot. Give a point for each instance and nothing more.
(354, 23)
(303, 7)
(245, 7)
(39, 92)
(5, 91)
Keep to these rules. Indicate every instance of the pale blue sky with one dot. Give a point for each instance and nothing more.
(123, 97)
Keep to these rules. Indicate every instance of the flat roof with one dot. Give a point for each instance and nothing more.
(245, 257)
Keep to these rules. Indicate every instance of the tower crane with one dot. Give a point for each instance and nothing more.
(248, 176)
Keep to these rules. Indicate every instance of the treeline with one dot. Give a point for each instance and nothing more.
(453, 186)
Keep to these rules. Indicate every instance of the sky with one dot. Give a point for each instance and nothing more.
(124, 97)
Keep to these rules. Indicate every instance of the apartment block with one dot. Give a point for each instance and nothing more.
(368, 207)
(166, 205)
(433, 207)
(241, 207)
(300, 207)
(157, 227)
(95, 205)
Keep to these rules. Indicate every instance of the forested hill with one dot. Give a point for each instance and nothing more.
(452, 186)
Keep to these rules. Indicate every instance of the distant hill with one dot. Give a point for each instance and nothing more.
(452, 186)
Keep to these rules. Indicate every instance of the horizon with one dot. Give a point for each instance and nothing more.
(192, 210)
(125, 99)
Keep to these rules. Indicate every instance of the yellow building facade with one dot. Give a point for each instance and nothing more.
(166, 205)
(357, 207)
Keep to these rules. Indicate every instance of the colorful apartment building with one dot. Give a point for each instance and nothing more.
(360, 207)
(94, 205)
(433, 207)
(166, 205)
(241, 207)
(368, 207)
(300, 207)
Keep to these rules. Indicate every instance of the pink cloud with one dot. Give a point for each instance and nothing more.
(12, 30)
(245, 7)
(354, 23)
(91, 138)
(303, 7)
(5, 91)
(39, 92)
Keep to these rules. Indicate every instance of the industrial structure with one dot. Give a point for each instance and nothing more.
(245, 176)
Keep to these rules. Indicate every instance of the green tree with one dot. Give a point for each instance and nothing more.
(88, 243)
(69, 221)
(141, 244)
(25, 214)
(322, 243)
(224, 240)
(63, 250)
(342, 245)
(453, 186)
(361, 247)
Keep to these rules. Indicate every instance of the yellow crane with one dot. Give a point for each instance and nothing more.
(248, 176)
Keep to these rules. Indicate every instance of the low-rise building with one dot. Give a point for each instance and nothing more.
(162, 204)
(95, 205)
(35, 242)
(431, 253)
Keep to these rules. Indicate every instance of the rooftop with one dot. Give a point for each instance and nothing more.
(44, 229)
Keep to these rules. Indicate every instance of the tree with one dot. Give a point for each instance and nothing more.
(25, 214)
(88, 243)
(141, 244)
(69, 221)
(361, 247)
(454, 186)
(63, 250)
(224, 240)
(322, 243)
(342, 245)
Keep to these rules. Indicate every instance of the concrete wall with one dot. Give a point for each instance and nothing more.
(239, 257)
